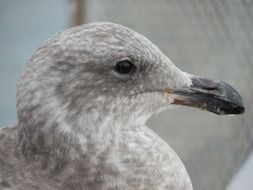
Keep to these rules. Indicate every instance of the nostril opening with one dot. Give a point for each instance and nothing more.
(210, 88)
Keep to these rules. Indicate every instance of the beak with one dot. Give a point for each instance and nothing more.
(214, 96)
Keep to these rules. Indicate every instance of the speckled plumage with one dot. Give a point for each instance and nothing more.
(81, 125)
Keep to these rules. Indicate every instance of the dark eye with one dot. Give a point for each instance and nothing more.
(124, 67)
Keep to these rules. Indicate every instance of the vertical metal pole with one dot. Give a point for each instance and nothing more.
(79, 14)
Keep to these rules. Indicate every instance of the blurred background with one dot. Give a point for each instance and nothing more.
(212, 38)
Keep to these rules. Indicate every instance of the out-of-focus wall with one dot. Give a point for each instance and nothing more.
(243, 178)
(24, 25)
(213, 38)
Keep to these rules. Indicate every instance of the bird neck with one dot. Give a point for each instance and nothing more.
(60, 140)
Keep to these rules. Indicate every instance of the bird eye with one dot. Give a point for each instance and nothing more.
(124, 67)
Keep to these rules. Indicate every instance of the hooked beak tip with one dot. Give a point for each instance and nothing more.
(217, 97)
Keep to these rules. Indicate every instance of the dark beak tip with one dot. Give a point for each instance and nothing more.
(233, 103)
(231, 110)
(218, 97)
(240, 110)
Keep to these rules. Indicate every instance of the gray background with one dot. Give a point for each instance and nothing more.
(213, 38)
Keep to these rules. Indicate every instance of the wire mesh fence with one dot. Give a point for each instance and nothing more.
(213, 38)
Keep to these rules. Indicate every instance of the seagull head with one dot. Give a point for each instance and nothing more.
(105, 69)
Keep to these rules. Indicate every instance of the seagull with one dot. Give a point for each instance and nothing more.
(82, 103)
